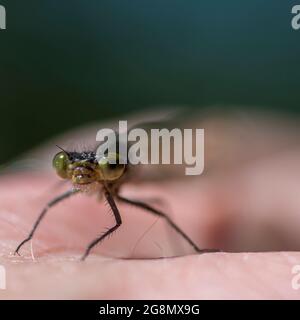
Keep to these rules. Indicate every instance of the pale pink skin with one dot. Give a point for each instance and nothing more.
(251, 207)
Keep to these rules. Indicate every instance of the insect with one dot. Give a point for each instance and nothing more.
(88, 173)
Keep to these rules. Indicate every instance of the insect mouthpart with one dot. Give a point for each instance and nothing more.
(84, 175)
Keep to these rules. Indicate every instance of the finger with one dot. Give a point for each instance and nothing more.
(76, 221)
(210, 276)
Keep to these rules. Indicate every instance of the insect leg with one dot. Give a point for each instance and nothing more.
(118, 219)
(168, 219)
(42, 215)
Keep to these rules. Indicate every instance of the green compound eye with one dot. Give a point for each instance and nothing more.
(60, 162)
(110, 167)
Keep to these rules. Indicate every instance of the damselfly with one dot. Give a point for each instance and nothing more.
(89, 173)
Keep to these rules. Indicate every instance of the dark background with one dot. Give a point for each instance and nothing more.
(63, 63)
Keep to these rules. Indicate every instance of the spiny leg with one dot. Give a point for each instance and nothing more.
(42, 215)
(168, 219)
(118, 219)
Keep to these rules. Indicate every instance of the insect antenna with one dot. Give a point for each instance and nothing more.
(62, 149)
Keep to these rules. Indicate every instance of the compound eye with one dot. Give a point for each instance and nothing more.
(60, 163)
(110, 167)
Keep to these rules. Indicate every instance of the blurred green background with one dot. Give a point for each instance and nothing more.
(63, 63)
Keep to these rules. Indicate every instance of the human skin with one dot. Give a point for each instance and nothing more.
(250, 211)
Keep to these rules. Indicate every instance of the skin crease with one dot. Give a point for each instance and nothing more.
(244, 208)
